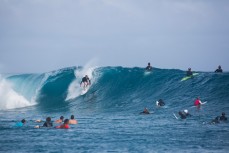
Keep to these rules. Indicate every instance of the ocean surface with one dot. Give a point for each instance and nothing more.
(108, 114)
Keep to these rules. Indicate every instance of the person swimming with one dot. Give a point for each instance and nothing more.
(160, 102)
(20, 124)
(184, 114)
(145, 111)
(72, 120)
(197, 102)
(64, 126)
(223, 117)
(48, 122)
(215, 121)
(60, 120)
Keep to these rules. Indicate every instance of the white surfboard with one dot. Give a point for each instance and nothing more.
(175, 116)
(204, 102)
(147, 73)
(84, 91)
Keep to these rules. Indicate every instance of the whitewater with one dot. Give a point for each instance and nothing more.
(108, 114)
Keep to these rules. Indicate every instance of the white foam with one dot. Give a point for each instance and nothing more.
(10, 99)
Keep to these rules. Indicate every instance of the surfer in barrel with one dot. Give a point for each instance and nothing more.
(86, 81)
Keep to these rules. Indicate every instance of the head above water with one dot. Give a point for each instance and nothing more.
(223, 114)
(23, 121)
(72, 117)
(149, 63)
(62, 117)
(48, 119)
(186, 111)
(219, 66)
(189, 69)
(66, 121)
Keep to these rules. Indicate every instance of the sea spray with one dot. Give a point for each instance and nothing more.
(9, 98)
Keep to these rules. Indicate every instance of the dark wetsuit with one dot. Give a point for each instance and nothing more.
(216, 120)
(182, 115)
(161, 102)
(219, 70)
(144, 112)
(84, 79)
(149, 68)
(189, 73)
(223, 118)
(47, 124)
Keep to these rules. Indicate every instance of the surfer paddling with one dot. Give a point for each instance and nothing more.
(86, 81)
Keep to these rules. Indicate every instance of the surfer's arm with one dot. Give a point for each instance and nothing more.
(200, 102)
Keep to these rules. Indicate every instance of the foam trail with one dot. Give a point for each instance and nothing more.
(9, 99)
(74, 89)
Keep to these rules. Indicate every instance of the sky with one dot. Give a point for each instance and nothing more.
(46, 35)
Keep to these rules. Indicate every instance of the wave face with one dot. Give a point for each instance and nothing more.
(115, 89)
(108, 114)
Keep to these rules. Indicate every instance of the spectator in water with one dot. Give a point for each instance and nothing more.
(215, 121)
(65, 125)
(72, 120)
(20, 124)
(48, 123)
(145, 111)
(60, 120)
(160, 102)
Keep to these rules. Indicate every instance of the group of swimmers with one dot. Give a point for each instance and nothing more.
(190, 73)
(86, 81)
(64, 124)
(184, 114)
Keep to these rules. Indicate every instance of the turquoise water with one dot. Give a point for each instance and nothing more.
(108, 114)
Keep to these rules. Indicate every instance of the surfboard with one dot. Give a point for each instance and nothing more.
(189, 77)
(175, 116)
(84, 91)
(204, 103)
(147, 72)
